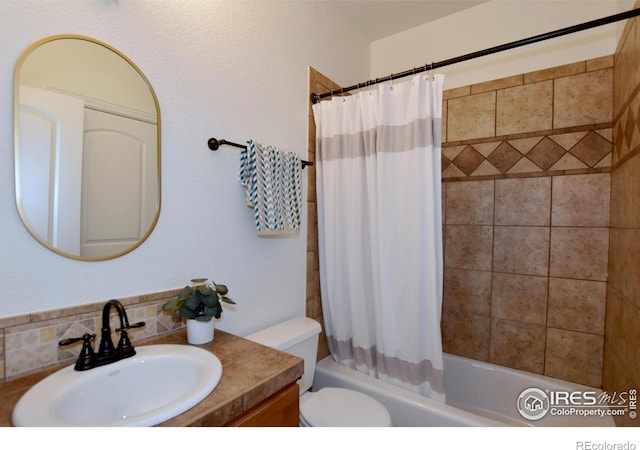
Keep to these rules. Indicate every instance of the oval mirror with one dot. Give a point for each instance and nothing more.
(87, 148)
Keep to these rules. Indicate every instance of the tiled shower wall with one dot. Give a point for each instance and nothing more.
(622, 335)
(526, 220)
(526, 183)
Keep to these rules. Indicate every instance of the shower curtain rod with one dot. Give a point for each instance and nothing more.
(499, 48)
(214, 144)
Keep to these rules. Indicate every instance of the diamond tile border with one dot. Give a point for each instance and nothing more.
(551, 153)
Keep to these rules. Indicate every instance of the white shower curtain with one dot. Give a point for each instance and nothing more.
(380, 231)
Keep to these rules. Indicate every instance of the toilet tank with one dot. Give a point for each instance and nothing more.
(297, 336)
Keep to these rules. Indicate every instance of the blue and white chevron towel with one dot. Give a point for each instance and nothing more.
(272, 180)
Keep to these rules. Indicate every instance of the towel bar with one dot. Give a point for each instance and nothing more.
(214, 144)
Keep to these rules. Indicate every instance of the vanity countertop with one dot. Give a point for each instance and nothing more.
(251, 373)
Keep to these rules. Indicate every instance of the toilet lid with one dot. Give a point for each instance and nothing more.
(338, 407)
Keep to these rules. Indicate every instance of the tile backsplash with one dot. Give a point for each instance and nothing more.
(29, 343)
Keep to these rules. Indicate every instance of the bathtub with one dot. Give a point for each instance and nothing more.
(478, 394)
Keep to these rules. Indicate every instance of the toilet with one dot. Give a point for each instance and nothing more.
(330, 406)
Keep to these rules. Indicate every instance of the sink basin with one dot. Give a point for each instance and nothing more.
(158, 383)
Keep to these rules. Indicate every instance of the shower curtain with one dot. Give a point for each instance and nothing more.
(378, 172)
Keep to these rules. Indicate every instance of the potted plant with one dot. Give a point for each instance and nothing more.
(199, 303)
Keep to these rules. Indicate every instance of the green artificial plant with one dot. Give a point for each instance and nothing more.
(200, 301)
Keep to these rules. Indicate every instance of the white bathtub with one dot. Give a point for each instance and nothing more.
(478, 394)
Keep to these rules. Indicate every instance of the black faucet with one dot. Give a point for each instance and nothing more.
(107, 353)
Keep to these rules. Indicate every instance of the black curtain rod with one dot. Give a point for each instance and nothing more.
(499, 48)
(214, 144)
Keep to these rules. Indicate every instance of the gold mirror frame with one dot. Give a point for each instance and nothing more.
(17, 162)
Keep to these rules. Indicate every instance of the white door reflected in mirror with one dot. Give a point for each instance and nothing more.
(87, 148)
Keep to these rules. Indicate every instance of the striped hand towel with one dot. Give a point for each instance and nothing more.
(271, 178)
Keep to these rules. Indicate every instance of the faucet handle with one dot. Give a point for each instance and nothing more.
(125, 347)
(87, 357)
(86, 338)
(133, 325)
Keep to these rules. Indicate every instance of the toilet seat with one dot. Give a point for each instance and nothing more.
(339, 407)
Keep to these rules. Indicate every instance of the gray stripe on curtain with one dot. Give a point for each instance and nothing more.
(405, 371)
(389, 139)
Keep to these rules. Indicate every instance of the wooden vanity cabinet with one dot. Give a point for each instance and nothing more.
(280, 410)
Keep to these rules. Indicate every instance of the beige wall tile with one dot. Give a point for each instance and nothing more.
(468, 247)
(518, 345)
(546, 153)
(445, 114)
(621, 370)
(568, 162)
(468, 160)
(467, 291)
(616, 334)
(574, 356)
(583, 99)
(462, 91)
(577, 305)
(523, 201)
(494, 85)
(470, 203)
(471, 117)
(579, 253)
(631, 334)
(624, 262)
(25, 352)
(581, 200)
(626, 76)
(1, 355)
(603, 62)
(622, 337)
(625, 195)
(521, 298)
(524, 109)
(555, 72)
(504, 157)
(592, 149)
(466, 335)
(521, 250)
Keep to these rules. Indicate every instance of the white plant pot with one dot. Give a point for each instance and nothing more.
(199, 332)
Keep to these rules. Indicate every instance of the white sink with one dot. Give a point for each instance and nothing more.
(158, 383)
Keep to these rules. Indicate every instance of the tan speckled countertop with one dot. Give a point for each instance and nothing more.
(251, 373)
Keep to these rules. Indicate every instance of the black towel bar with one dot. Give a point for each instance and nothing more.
(214, 144)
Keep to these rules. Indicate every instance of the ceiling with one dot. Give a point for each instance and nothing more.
(382, 18)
